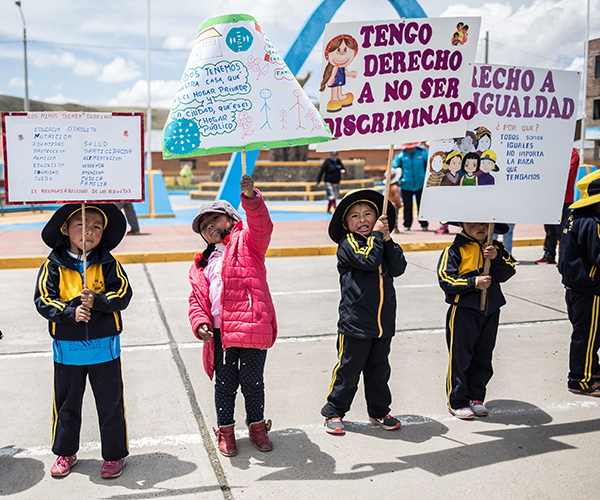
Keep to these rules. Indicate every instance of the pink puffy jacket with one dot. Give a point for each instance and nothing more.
(247, 311)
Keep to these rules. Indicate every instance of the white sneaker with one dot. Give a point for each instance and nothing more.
(464, 413)
(478, 408)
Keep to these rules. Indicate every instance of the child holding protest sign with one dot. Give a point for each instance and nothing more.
(231, 310)
(368, 260)
(85, 324)
(579, 259)
(470, 331)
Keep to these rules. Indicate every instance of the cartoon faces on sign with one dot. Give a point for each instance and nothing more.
(339, 53)
(466, 161)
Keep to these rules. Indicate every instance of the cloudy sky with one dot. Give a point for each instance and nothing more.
(94, 53)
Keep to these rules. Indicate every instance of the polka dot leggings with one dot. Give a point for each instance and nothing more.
(243, 367)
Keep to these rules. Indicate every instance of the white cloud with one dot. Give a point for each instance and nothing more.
(176, 42)
(576, 64)
(87, 67)
(162, 91)
(61, 99)
(119, 70)
(16, 82)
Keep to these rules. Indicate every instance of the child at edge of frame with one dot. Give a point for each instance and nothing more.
(578, 262)
(231, 310)
(471, 332)
(368, 260)
(85, 325)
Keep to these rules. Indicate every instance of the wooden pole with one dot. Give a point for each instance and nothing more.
(486, 265)
(84, 274)
(243, 161)
(388, 174)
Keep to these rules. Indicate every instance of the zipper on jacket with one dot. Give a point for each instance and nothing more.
(249, 297)
(380, 308)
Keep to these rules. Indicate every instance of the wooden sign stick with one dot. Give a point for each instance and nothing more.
(243, 161)
(486, 265)
(388, 174)
(84, 274)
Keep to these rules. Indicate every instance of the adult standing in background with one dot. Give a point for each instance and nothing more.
(131, 217)
(553, 231)
(332, 170)
(412, 161)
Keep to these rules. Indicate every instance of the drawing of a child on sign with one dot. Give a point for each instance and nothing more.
(340, 52)
(468, 160)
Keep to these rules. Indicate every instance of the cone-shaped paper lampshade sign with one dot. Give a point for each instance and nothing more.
(237, 93)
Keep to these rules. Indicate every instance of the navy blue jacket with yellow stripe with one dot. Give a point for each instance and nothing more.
(58, 293)
(367, 268)
(459, 266)
(579, 253)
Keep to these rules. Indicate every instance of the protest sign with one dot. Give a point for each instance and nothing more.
(397, 81)
(55, 157)
(512, 164)
(237, 94)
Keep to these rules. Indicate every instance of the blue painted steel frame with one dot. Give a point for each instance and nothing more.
(295, 58)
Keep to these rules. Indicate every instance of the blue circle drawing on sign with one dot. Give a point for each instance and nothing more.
(239, 39)
(182, 136)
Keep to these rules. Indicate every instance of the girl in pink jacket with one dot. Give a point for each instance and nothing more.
(231, 310)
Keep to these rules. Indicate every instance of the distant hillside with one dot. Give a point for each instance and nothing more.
(11, 104)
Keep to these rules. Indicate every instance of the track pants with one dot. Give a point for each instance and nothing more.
(239, 366)
(107, 385)
(584, 313)
(356, 356)
(471, 338)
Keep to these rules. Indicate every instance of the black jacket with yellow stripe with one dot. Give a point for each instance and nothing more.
(459, 266)
(579, 253)
(58, 293)
(367, 268)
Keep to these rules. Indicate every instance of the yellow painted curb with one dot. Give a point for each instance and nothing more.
(188, 256)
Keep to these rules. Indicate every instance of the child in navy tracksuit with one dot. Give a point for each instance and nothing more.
(579, 260)
(471, 332)
(85, 325)
(368, 261)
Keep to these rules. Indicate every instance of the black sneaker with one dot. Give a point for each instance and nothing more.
(334, 425)
(592, 390)
(387, 423)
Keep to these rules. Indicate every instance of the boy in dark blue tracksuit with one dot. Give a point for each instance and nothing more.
(579, 260)
(470, 332)
(368, 261)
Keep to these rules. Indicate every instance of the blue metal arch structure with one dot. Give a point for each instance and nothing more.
(295, 58)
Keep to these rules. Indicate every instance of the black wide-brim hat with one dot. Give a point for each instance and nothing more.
(337, 226)
(499, 227)
(115, 224)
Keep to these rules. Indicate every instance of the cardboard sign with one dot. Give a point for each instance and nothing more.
(513, 162)
(389, 82)
(237, 93)
(54, 157)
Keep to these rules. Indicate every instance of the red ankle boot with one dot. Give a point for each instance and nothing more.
(226, 439)
(258, 435)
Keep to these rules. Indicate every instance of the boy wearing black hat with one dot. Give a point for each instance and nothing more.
(368, 261)
(471, 332)
(579, 259)
(85, 325)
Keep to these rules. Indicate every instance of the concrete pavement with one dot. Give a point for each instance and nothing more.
(540, 441)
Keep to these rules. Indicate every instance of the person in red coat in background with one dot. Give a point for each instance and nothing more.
(553, 231)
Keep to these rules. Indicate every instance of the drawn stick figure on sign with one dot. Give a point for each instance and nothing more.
(283, 114)
(266, 94)
(298, 94)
